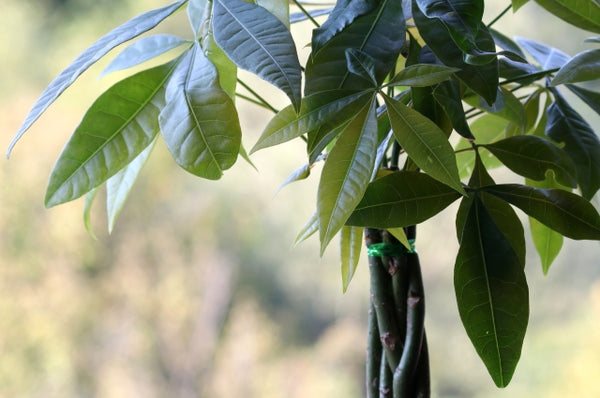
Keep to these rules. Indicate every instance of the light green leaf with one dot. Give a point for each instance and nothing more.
(563, 211)
(127, 31)
(583, 67)
(492, 294)
(351, 239)
(300, 173)
(279, 8)
(199, 122)
(425, 143)
(422, 75)
(311, 226)
(516, 4)
(227, 70)
(143, 50)
(196, 11)
(401, 199)
(257, 41)
(507, 107)
(399, 234)
(119, 186)
(346, 173)
(530, 156)
(87, 212)
(584, 14)
(117, 127)
(486, 129)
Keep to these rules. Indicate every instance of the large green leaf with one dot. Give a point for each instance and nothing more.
(530, 156)
(581, 143)
(127, 31)
(143, 50)
(346, 173)
(361, 64)
(199, 122)
(226, 68)
(117, 127)
(583, 67)
(492, 294)
(448, 95)
(351, 240)
(317, 110)
(547, 242)
(563, 211)
(584, 14)
(424, 142)
(401, 199)
(119, 186)
(422, 75)
(259, 42)
(380, 33)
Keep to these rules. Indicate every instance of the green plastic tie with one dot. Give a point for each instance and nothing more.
(390, 249)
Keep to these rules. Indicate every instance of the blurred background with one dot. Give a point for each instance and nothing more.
(198, 291)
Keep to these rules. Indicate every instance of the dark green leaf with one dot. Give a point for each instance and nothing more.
(143, 50)
(566, 126)
(380, 33)
(583, 67)
(401, 199)
(447, 94)
(259, 42)
(424, 142)
(492, 294)
(506, 43)
(547, 57)
(563, 211)
(530, 156)
(351, 240)
(584, 14)
(590, 98)
(127, 31)
(199, 122)
(119, 125)
(361, 64)
(422, 75)
(346, 173)
(119, 186)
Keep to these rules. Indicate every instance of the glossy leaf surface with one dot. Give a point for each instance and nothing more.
(422, 75)
(199, 122)
(584, 14)
(492, 294)
(351, 241)
(585, 66)
(117, 127)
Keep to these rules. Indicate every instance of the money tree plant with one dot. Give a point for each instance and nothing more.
(407, 105)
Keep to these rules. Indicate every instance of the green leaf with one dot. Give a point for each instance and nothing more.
(590, 98)
(257, 41)
(399, 234)
(127, 31)
(351, 239)
(346, 173)
(317, 110)
(582, 145)
(380, 33)
(199, 122)
(516, 4)
(447, 94)
(492, 294)
(300, 173)
(583, 67)
(425, 143)
(563, 211)
(119, 186)
(547, 242)
(507, 107)
(196, 11)
(506, 43)
(530, 156)
(87, 212)
(143, 50)
(361, 64)
(547, 57)
(401, 199)
(117, 127)
(279, 8)
(311, 226)
(422, 75)
(227, 70)
(584, 14)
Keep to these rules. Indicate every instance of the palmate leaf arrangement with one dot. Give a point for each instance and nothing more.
(402, 102)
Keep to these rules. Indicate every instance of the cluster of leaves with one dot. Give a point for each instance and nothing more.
(385, 86)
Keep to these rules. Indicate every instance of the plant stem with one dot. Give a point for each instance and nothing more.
(374, 355)
(297, 3)
(261, 100)
(499, 16)
(385, 378)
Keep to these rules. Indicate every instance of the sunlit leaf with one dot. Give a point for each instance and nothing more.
(127, 31)
(421, 75)
(402, 199)
(425, 143)
(530, 156)
(563, 211)
(583, 67)
(581, 143)
(516, 4)
(257, 41)
(143, 50)
(486, 129)
(583, 14)
(226, 68)
(351, 240)
(119, 186)
(118, 126)
(399, 234)
(300, 173)
(492, 294)
(346, 173)
(199, 122)
(311, 226)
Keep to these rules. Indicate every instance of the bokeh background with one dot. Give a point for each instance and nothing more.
(198, 291)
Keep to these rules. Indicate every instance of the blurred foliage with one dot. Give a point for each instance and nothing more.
(197, 292)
